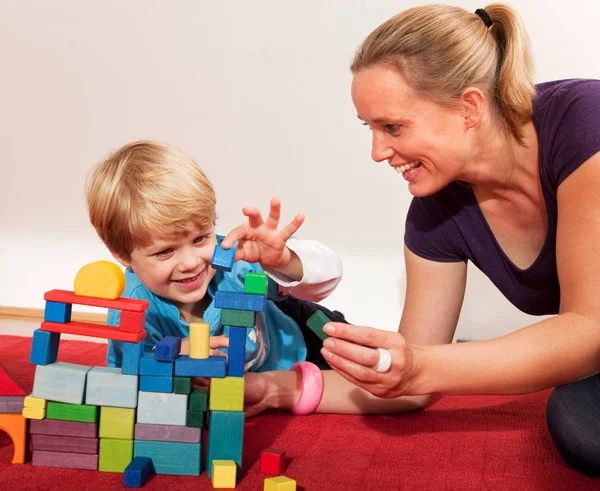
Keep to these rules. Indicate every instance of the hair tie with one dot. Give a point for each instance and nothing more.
(485, 17)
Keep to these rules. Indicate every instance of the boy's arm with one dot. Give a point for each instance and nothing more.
(321, 267)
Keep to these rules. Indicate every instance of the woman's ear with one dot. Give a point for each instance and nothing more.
(472, 100)
(124, 262)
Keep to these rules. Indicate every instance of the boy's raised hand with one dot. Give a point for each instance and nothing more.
(260, 241)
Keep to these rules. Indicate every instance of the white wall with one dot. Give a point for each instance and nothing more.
(258, 94)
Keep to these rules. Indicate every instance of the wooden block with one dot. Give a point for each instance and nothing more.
(30, 413)
(57, 312)
(64, 428)
(256, 283)
(44, 347)
(199, 340)
(129, 304)
(149, 366)
(239, 318)
(61, 382)
(182, 385)
(137, 472)
(198, 401)
(272, 461)
(132, 354)
(316, 322)
(64, 460)
(100, 279)
(9, 385)
(94, 331)
(240, 301)
(224, 473)
(34, 402)
(15, 425)
(150, 383)
(236, 353)
(167, 433)
(81, 413)
(171, 458)
(107, 386)
(12, 404)
(55, 443)
(280, 483)
(116, 422)
(159, 408)
(211, 367)
(223, 258)
(168, 348)
(225, 438)
(132, 321)
(115, 455)
(194, 419)
(227, 394)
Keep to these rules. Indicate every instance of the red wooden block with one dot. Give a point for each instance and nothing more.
(132, 321)
(64, 296)
(8, 385)
(94, 330)
(272, 461)
(65, 460)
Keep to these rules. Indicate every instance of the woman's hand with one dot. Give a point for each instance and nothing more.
(352, 352)
(261, 242)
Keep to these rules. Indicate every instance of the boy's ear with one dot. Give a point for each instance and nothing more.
(120, 259)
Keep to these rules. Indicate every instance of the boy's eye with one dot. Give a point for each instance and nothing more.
(164, 252)
(200, 239)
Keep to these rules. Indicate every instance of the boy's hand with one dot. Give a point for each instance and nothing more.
(261, 242)
(216, 342)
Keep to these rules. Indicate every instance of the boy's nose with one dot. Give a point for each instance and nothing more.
(188, 260)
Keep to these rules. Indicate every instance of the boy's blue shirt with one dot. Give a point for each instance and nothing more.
(286, 343)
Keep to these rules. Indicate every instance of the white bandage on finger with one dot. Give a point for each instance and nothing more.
(385, 361)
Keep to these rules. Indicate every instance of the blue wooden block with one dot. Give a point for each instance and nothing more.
(57, 312)
(181, 459)
(225, 438)
(223, 258)
(107, 386)
(211, 367)
(44, 347)
(151, 383)
(240, 301)
(137, 472)
(168, 348)
(158, 408)
(236, 355)
(132, 354)
(150, 366)
(60, 382)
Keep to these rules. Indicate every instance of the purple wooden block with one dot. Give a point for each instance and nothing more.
(65, 460)
(55, 443)
(12, 404)
(167, 433)
(63, 428)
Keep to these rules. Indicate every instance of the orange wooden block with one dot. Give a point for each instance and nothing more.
(132, 321)
(94, 331)
(16, 427)
(65, 296)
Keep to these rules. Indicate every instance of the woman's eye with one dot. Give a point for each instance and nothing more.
(392, 128)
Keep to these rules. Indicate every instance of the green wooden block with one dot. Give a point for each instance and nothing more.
(227, 394)
(182, 385)
(198, 400)
(115, 455)
(316, 322)
(194, 419)
(238, 318)
(82, 413)
(117, 422)
(225, 438)
(256, 283)
(172, 458)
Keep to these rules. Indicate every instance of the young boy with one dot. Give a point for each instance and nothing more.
(155, 210)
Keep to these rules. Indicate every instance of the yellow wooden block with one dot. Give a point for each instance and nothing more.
(199, 340)
(35, 403)
(101, 279)
(280, 483)
(227, 394)
(117, 423)
(31, 413)
(224, 474)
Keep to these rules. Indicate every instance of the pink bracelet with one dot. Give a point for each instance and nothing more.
(312, 388)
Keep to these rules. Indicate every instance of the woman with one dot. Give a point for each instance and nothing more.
(504, 174)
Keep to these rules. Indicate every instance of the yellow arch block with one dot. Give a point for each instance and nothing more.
(16, 427)
(101, 279)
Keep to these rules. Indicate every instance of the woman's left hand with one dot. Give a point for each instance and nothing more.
(352, 352)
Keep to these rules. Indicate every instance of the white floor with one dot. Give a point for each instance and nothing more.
(26, 328)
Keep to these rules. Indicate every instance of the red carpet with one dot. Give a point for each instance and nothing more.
(462, 443)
